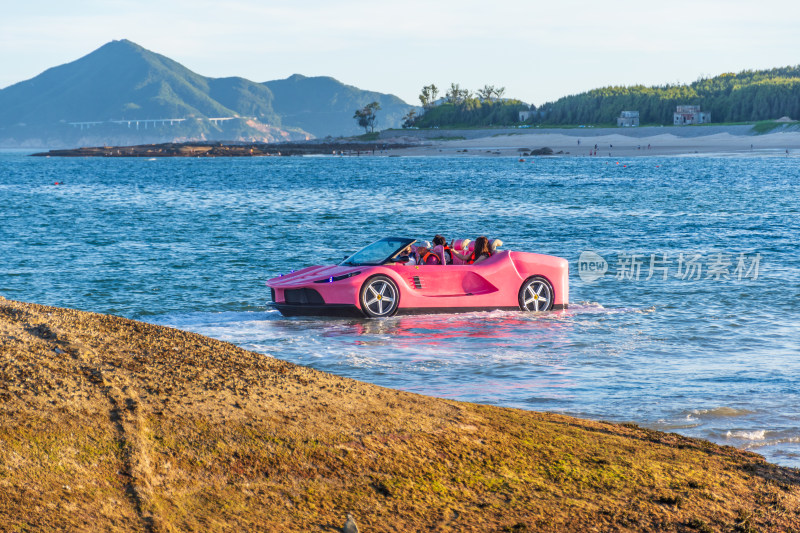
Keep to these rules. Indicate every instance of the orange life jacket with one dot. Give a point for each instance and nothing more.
(423, 259)
(472, 258)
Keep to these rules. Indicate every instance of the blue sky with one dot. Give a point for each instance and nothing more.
(538, 50)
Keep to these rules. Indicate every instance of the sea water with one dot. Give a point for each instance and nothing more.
(684, 285)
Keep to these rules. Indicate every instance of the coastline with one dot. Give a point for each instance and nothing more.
(735, 140)
(112, 423)
(613, 143)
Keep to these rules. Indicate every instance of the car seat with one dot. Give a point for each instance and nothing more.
(438, 251)
(461, 246)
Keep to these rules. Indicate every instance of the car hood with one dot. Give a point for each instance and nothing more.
(310, 275)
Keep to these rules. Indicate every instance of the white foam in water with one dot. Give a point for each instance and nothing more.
(759, 434)
(755, 445)
(260, 348)
(357, 360)
(582, 308)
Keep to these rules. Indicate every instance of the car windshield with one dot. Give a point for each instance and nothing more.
(378, 252)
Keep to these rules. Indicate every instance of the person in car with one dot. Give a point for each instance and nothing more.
(439, 240)
(481, 252)
(426, 256)
(407, 256)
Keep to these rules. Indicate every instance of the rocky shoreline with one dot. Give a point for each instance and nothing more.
(220, 149)
(112, 424)
(714, 141)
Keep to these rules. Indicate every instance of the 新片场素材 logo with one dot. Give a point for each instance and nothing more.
(666, 266)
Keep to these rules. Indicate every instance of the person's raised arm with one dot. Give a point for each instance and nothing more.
(462, 257)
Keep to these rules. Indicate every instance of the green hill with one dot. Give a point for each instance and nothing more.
(246, 97)
(324, 106)
(84, 103)
(122, 80)
(748, 96)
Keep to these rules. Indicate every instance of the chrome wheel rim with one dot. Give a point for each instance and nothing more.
(379, 297)
(536, 296)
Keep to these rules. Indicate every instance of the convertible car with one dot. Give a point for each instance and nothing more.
(381, 280)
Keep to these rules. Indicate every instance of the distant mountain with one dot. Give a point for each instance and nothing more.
(124, 94)
(323, 106)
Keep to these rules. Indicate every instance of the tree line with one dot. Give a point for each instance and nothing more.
(748, 96)
(462, 107)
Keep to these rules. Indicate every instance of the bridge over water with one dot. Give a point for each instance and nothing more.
(151, 122)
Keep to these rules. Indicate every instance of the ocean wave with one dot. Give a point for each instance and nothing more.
(757, 434)
(720, 412)
(580, 308)
(667, 425)
(756, 444)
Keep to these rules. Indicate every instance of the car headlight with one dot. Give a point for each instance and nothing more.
(338, 278)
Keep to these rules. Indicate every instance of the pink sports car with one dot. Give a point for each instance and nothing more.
(381, 280)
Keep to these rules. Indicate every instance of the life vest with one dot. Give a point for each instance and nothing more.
(423, 259)
(448, 255)
(472, 258)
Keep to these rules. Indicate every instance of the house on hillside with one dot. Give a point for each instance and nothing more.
(628, 119)
(532, 113)
(690, 114)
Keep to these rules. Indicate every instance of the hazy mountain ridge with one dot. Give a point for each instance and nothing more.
(130, 77)
(297, 100)
(76, 104)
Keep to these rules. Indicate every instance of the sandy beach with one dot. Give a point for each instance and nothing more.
(617, 143)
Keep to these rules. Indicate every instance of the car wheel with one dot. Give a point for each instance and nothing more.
(379, 297)
(536, 294)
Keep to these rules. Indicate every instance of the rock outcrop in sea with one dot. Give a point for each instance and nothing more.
(113, 424)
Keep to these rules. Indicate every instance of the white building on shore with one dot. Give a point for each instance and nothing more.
(628, 119)
(690, 114)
